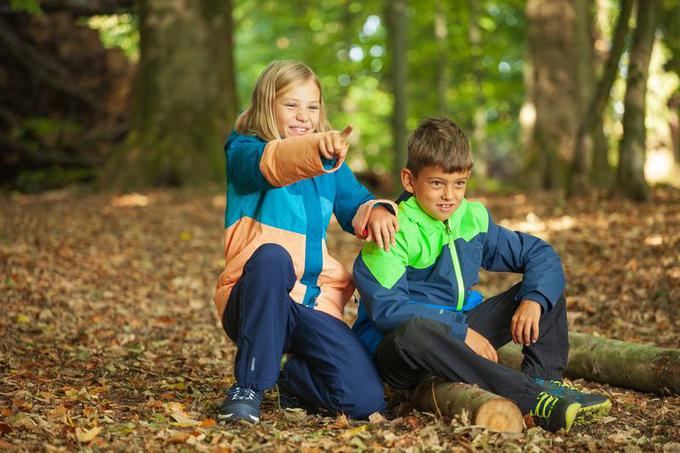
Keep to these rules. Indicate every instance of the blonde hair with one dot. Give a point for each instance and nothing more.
(259, 118)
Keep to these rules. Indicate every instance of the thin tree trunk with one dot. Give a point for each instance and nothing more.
(630, 176)
(397, 26)
(484, 408)
(479, 141)
(592, 120)
(637, 366)
(441, 35)
(185, 96)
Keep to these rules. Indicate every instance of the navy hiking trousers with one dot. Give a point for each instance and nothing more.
(328, 369)
(422, 348)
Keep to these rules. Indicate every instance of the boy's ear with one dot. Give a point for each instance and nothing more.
(407, 180)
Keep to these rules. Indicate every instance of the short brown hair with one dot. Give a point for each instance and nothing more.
(258, 118)
(438, 142)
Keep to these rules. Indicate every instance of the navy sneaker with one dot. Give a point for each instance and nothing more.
(552, 413)
(593, 405)
(241, 403)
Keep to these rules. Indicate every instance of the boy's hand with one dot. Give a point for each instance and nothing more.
(333, 144)
(478, 343)
(382, 227)
(524, 323)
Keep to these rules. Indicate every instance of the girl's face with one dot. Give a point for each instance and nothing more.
(297, 108)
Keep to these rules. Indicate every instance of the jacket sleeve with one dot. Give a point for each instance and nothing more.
(254, 165)
(513, 251)
(354, 202)
(381, 279)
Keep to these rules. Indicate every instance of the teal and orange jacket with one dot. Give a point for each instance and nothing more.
(431, 270)
(282, 192)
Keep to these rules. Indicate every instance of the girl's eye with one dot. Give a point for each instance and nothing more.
(313, 107)
(289, 105)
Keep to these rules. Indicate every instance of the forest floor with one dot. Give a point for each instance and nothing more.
(109, 339)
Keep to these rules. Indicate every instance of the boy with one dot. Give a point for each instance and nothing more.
(418, 316)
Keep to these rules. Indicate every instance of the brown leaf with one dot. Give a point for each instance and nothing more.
(87, 435)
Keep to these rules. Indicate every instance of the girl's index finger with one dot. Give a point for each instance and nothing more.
(347, 131)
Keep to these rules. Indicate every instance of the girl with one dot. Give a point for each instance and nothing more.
(280, 290)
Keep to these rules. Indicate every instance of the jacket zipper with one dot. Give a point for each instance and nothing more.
(456, 269)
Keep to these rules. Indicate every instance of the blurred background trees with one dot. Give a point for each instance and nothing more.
(554, 94)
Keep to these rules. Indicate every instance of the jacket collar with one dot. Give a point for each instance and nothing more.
(411, 208)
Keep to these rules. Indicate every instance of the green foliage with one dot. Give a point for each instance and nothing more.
(50, 178)
(345, 43)
(117, 30)
(29, 6)
(48, 132)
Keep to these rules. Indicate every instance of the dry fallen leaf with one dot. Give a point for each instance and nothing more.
(85, 436)
(176, 411)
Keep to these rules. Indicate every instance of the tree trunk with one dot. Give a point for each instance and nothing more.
(556, 91)
(641, 367)
(397, 26)
(591, 123)
(479, 142)
(441, 35)
(185, 96)
(484, 408)
(630, 175)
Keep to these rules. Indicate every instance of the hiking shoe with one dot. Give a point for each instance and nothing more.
(241, 403)
(552, 413)
(593, 405)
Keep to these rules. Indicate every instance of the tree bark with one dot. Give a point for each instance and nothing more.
(637, 366)
(185, 100)
(441, 35)
(484, 408)
(555, 93)
(397, 26)
(591, 123)
(479, 141)
(630, 176)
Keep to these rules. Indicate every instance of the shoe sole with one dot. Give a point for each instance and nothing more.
(571, 415)
(233, 418)
(590, 414)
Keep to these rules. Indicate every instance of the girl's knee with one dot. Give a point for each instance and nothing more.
(270, 257)
(363, 401)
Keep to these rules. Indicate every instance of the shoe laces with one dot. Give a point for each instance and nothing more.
(567, 386)
(544, 405)
(237, 393)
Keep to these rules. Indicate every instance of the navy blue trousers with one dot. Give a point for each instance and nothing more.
(422, 348)
(328, 369)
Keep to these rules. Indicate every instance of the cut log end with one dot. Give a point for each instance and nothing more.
(485, 408)
(499, 414)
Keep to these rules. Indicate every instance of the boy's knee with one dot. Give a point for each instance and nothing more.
(419, 332)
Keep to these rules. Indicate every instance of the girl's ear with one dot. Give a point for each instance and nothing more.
(407, 180)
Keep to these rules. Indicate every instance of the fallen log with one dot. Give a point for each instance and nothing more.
(637, 366)
(484, 408)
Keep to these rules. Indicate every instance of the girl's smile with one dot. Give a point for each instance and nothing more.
(297, 108)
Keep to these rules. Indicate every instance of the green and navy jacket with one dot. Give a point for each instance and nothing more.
(431, 270)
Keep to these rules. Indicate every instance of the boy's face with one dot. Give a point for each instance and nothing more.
(438, 193)
(297, 108)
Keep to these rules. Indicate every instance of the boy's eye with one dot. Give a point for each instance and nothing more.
(461, 183)
(436, 183)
